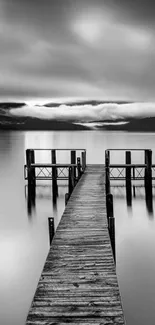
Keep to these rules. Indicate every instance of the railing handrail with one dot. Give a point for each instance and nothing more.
(127, 149)
(52, 165)
(128, 165)
(58, 149)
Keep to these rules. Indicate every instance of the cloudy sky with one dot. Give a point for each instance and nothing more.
(77, 48)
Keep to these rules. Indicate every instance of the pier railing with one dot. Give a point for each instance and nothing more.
(131, 173)
(54, 171)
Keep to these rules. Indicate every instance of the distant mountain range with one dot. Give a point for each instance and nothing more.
(146, 124)
(12, 122)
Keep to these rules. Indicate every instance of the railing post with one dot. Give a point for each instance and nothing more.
(51, 229)
(54, 184)
(83, 159)
(79, 167)
(53, 152)
(73, 161)
(148, 173)
(54, 177)
(33, 168)
(112, 235)
(107, 168)
(110, 212)
(134, 190)
(128, 178)
(28, 163)
(30, 159)
(111, 221)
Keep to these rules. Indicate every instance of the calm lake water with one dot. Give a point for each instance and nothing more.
(24, 241)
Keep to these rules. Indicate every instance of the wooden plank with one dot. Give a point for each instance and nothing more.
(78, 284)
(113, 320)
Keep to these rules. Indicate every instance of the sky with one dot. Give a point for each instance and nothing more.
(77, 48)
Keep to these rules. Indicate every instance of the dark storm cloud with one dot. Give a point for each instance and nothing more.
(140, 11)
(56, 13)
(91, 48)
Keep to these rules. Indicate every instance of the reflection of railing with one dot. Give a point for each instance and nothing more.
(138, 191)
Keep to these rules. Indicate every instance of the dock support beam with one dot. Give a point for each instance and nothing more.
(71, 182)
(54, 177)
(148, 180)
(30, 159)
(51, 229)
(73, 162)
(79, 167)
(83, 159)
(128, 178)
(111, 222)
(107, 163)
(66, 198)
(110, 212)
(112, 235)
(134, 190)
(148, 170)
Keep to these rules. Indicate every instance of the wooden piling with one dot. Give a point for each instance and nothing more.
(110, 212)
(112, 235)
(51, 229)
(73, 161)
(30, 159)
(128, 178)
(148, 173)
(71, 180)
(107, 163)
(111, 221)
(33, 168)
(128, 169)
(66, 198)
(134, 190)
(83, 159)
(54, 177)
(78, 167)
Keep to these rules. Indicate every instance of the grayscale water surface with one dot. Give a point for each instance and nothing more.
(24, 241)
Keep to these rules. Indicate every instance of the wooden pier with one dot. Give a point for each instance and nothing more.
(78, 284)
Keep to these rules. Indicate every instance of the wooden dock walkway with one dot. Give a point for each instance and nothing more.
(78, 284)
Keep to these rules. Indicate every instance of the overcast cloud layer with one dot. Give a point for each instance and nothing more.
(65, 48)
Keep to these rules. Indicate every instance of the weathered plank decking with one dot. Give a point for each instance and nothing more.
(78, 284)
